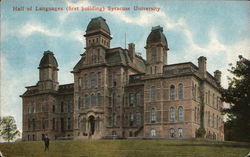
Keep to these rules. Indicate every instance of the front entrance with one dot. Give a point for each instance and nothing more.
(92, 125)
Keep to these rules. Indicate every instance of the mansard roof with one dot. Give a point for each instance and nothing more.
(48, 60)
(98, 23)
(157, 36)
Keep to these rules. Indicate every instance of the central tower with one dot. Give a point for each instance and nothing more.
(97, 40)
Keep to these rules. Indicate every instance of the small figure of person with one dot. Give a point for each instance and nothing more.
(46, 143)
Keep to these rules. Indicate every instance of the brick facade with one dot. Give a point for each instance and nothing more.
(118, 94)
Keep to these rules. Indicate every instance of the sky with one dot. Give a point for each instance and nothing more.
(218, 30)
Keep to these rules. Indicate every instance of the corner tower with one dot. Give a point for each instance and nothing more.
(97, 40)
(48, 72)
(156, 49)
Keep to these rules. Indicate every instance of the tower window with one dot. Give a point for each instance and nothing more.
(153, 94)
(172, 92)
(180, 91)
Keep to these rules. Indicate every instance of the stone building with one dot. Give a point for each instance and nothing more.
(118, 94)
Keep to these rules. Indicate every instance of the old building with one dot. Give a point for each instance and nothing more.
(118, 94)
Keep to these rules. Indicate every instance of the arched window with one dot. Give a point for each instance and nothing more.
(180, 91)
(153, 94)
(172, 114)
(153, 133)
(172, 132)
(172, 92)
(99, 99)
(93, 100)
(86, 100)
(92, 80)
(180, 113)
(153, 115)
(86, 81)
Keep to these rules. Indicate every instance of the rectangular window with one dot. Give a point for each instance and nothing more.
(85, 81)
(138, 99)
(62, 124)
(99, 79)
(92, 80)
(53, 123)
(69, 123)
(131, 99)
(62, 107)
(153, 94)
(180, 132)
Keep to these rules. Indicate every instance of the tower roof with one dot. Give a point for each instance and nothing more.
(48, 60)
(98, 23)
(156, 36)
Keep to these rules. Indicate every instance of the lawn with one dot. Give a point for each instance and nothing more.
(126, 148)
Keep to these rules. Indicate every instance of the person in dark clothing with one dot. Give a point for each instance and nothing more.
(46, 143)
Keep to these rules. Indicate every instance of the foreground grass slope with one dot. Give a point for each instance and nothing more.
(126, 148)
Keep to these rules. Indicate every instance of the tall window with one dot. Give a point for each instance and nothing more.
(153, 115)
(213, 100)
(62, 107)
(138, 119)
(208, 118)
(99, 99)
(213, 120)
(131, 119)
(42, 107)
(153, 94)
(33, 124)
(180, 91)
(86, 100)
(86, 81)
(153, 133)
(114, 120)
(180, 132)
(99, 79)
(113, 99)
(180, 113)
(33, 108)
(43, 123)
(209, 98)
(69, 123)
(131, 99)
(80, 83)
(93, 103)
(153, 54)
(69, 105)
(28, 108)
(138, 99)
(172, 92)
(172, 114)
(92, 80)
(79, 102)
(53, 123)
(172, 132)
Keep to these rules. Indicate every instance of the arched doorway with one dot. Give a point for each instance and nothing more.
(92, 125)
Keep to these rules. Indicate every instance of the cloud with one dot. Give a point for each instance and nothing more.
(29, 28)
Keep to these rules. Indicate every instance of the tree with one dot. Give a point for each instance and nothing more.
(8, 128)
(237, 127)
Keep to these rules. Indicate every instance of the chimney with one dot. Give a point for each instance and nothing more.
(202, 64)
(131, 51)
(217, 75)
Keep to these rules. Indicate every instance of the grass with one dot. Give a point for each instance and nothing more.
(126, 148)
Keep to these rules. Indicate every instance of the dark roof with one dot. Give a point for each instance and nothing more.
(156, 36)
(98, 23)
(48, 60)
